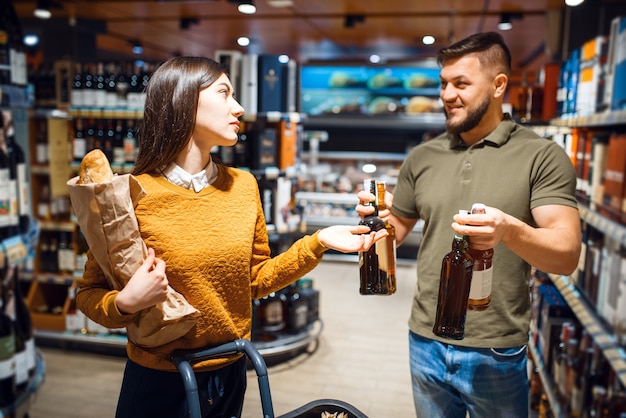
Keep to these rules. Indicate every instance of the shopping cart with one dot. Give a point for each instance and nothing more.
(183, 359)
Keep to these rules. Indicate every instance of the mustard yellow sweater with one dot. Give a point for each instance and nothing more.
(217, 256)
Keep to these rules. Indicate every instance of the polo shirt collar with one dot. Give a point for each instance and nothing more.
(497, 137)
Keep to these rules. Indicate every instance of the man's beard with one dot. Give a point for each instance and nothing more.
(473, 118)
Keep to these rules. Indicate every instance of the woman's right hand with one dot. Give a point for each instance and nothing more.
(146, 288)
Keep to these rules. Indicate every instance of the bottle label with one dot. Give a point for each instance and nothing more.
(301, 316)
(481, 284)
(383, 253)
(80, 148)
(7, 348)
(5, 197)
(273, 313)
(7, 368)
(31, 354)
(21, 367)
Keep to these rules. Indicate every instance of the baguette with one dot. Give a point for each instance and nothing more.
(94, 168)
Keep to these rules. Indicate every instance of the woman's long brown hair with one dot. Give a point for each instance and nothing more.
(170, 110)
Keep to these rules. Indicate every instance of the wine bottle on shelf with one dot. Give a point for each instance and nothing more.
(480, 291)
(454, 285)
(372, 265)
(10, 307)
(16, 155)
(79, 147)
(388, 245)
(118, 144)
(297, 310)
(24, 324)
(272, 312)
(130, 143)
(76, 95)
(8, 193)
(8, 390)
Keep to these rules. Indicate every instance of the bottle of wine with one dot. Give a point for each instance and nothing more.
(272, 312)
(130, 143)
(80, 142)
(297, 310)
(7, 187)
(24, 324)
(8, 390)
(388, 247)
(76, 95)
(10, 308)
(18, 159)
(456, 277)
(118, 144)
(373, 278)
(480, 291)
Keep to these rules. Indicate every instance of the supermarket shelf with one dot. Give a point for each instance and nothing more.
(612, 118)
(546, 381)
(356, 155)
(421, 121)
(613, 353)
(284, 344)
(613, 229)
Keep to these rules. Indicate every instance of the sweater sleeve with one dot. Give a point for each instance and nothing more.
(269, 274)
(96, 299)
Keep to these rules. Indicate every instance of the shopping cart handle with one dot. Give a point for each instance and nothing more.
(184, 358)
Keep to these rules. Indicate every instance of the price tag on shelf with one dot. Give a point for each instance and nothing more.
(14, 249)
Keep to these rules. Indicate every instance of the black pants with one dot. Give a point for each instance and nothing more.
(157, 394)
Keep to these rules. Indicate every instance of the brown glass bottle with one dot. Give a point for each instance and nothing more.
(373, 278)
(454, 285)
(387, 253)
(480, 291)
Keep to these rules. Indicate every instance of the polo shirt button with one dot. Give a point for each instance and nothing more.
(468, 164)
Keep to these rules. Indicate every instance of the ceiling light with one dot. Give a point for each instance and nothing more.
(506, 20)
(573, 3)
(243, 41)
(31, 40)
(137, 47)
(375, 59)
(42, 10)
(428, 40)
(247, 7)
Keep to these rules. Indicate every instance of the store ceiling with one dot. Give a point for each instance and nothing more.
(316, 30)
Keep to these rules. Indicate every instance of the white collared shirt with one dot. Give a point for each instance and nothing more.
(178, 176)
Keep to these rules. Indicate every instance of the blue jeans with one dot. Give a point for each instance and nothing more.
(450, 380)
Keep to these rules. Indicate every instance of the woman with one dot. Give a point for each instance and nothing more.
(204, 227)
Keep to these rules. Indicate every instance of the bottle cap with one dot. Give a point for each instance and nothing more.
(478, 208)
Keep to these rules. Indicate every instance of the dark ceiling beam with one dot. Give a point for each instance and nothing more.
(381, 15)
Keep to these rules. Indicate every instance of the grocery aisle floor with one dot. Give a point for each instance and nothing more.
(361, 358)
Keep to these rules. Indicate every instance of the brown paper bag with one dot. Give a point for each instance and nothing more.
(106, 216)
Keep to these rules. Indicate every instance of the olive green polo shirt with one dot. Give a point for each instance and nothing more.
(512, 169)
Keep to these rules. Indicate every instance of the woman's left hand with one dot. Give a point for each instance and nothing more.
(349, 239)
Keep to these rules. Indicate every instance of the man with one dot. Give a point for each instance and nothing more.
(527, 183)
